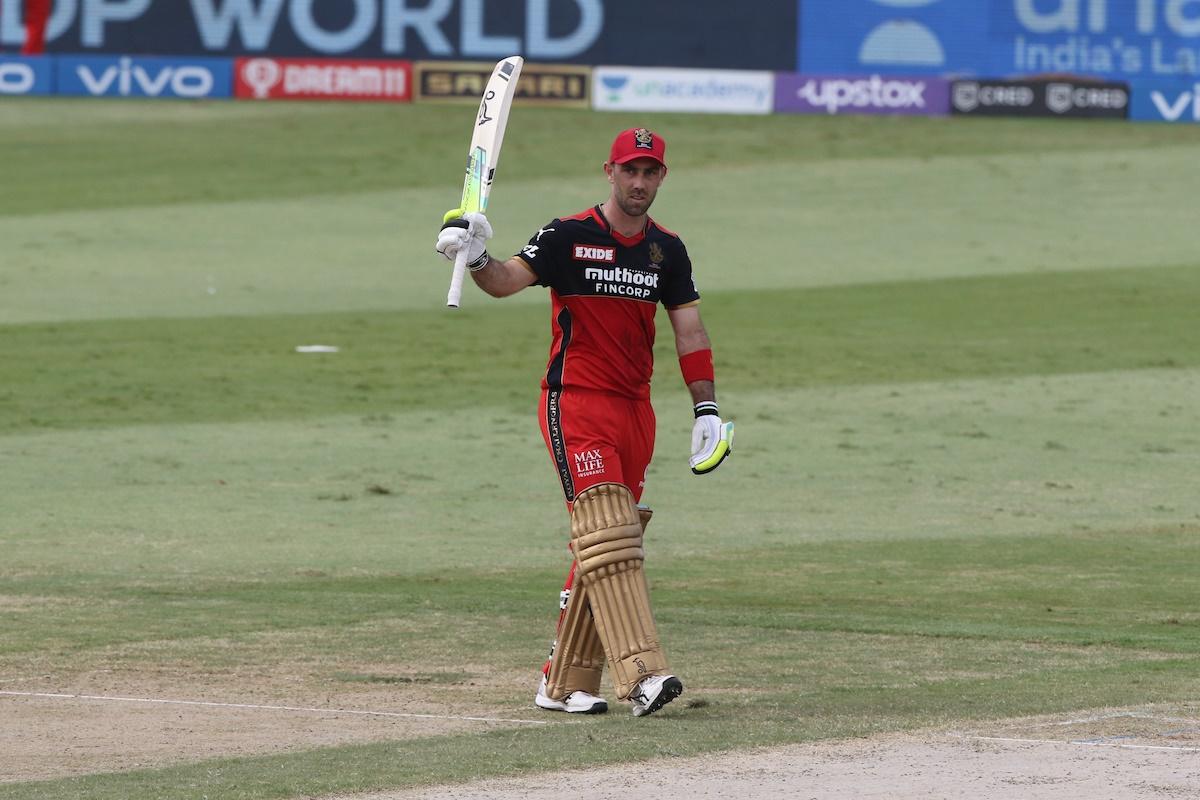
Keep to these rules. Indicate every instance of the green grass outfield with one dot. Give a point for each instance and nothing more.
(963, 357)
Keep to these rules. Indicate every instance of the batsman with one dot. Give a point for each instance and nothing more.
(607, 268)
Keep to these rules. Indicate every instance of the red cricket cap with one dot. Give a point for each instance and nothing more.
(638, 143)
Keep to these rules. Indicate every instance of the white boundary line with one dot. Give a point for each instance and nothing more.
(1082, 743)
(254, 707)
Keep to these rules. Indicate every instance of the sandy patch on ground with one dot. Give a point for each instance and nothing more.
(1120, 755)
(116, 722)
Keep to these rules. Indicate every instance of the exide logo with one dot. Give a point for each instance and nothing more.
(126, 79)
(587, 252)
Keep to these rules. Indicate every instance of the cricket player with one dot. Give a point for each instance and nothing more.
(607, 268)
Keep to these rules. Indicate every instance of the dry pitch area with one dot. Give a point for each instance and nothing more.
(1146, 752)
(937, 764)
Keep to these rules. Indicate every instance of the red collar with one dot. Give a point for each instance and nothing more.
(624, 241)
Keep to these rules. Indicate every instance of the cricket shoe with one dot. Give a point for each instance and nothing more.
(574, 703)
(655, 692)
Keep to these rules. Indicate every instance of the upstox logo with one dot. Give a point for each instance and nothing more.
(874, 92)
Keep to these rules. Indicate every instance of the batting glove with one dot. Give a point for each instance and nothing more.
(470, 231)
(712, 440)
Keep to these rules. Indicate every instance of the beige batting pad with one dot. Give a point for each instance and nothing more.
(577, 661)
(578, 658)
(606, 534)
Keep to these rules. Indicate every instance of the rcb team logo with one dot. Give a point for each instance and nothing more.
(643, 139)
(656, 253)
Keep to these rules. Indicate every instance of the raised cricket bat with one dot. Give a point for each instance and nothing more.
(483, 156)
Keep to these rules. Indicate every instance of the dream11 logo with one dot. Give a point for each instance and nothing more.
(261, 75)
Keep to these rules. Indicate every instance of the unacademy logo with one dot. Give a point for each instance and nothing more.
(873, 92)
(615, 84)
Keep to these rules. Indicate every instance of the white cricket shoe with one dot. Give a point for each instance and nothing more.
(655, 692)
(574, 703)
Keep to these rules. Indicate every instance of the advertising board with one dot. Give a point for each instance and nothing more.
(858, 94)
(1114, 39)
(144, 76)
(26, 75)
(1166, 101)
(539, 84)
(682, 33)
(706, 91)
(1030, 98)
(266, 78)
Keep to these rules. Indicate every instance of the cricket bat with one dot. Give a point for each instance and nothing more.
(483, 156)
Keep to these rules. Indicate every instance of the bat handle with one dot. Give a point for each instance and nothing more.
(456, 280)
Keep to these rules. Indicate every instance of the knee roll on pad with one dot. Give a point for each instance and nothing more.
(606, 535)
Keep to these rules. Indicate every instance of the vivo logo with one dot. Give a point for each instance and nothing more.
(1173, 110)
(1074, 16)
(16, 78)
(126, 79)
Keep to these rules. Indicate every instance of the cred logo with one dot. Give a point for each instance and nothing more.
(587, 252)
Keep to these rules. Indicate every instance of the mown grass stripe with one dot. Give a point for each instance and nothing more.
(128, 372)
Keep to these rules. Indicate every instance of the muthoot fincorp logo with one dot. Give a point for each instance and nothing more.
(622, 281)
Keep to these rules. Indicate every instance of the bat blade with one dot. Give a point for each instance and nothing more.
(486, 138)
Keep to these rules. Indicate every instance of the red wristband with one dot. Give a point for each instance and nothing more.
(696, 366)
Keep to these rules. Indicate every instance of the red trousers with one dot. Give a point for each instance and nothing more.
(594, 437)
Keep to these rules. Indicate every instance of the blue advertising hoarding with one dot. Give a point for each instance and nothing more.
(26, 75)
(142, 76)
(1166, 101)
(914, 37)
(1112, 39)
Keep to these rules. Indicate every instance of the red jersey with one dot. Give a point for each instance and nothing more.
(604, 290)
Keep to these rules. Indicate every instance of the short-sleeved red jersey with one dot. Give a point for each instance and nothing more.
(604, 290)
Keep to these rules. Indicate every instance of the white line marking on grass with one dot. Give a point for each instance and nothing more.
(1085, 720)
(1085, 743)
(255, 707)
(1113, 715)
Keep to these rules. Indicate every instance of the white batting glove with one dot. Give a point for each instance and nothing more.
(712, 440)
(470, 231)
